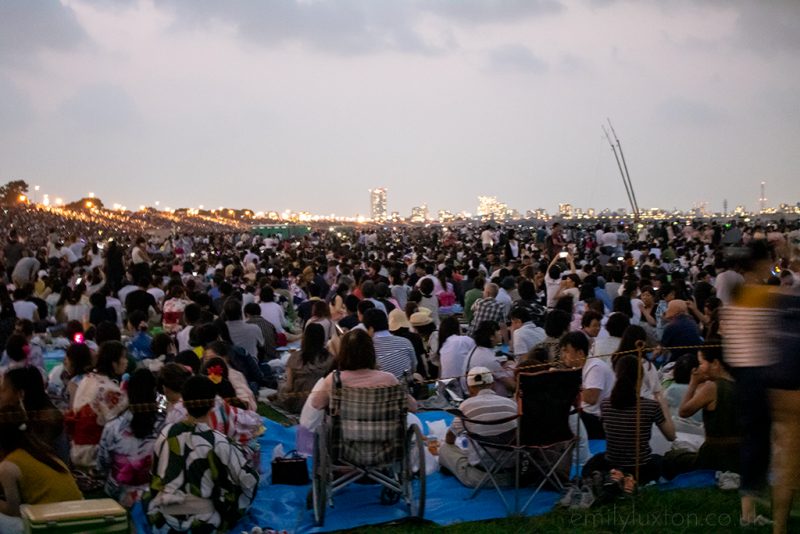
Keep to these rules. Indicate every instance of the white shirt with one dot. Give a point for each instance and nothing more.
(272, 312)
(158, 294)
(183, 339)
(24, 309)
(725, 283)
(526, 337)
(597, 374)
(453, 355)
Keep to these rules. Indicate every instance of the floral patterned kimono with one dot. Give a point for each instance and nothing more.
(126, 459)
(201, 481)
(98, 400)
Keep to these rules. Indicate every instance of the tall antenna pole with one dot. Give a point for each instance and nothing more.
(627, 174)
(619, 166)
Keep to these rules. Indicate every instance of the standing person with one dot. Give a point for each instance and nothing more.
(748, 355)
(29, 473)
(114, 266)
(211, 492)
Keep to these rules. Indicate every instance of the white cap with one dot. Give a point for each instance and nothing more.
(479, 376)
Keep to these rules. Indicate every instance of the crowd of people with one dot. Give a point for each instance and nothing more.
(169, 342)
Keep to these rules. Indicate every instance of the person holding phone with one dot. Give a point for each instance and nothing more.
(554, 274)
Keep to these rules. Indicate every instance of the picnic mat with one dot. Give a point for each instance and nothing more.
(284, 507)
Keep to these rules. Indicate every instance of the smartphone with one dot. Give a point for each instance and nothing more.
(563, 254)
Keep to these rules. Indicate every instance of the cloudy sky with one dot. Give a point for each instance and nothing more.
(306, 104)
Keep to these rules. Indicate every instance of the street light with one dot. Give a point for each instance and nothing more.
(35, 194)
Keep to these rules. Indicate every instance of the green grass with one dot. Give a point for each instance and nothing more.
(265, 410)
(653, 511)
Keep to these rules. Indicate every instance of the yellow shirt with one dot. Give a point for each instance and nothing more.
(40, 483)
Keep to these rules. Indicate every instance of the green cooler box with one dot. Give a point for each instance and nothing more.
(73, 517)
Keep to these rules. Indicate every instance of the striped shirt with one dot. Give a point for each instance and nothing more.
(620, 428)
(394, 354)
(745, 326)
(485, 406)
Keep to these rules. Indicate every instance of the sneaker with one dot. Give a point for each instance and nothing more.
(728, 480)
(758, 521)
(587, 498)
(628, 485)
(570, 496)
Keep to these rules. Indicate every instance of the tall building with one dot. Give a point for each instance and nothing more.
(491, 208)
(762, 201)
(419, 214)
(377, 204)
(565, 210)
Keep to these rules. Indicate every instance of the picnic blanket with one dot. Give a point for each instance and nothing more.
(284, 507)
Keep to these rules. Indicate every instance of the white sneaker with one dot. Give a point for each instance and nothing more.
(728, 480)
(758, 521)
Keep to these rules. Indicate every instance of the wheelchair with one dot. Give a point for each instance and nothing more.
(365, 436)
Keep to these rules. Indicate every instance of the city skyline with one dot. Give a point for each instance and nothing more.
(303, 105)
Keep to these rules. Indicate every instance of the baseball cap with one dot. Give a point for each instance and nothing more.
(479, 376)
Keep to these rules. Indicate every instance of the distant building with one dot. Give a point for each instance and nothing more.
(419, 214)
(377, 204)
(565, 210)
(491, 208)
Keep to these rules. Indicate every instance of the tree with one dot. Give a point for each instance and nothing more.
(10, 193)
(84, 204)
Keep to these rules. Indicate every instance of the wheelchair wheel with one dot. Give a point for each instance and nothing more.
(414, 472)
(319, 480)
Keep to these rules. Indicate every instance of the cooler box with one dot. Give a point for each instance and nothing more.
(73, 517)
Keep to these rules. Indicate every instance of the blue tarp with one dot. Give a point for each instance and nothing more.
(284, 507)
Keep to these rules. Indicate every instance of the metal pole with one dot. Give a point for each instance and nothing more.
(627, 174)
(619, 166)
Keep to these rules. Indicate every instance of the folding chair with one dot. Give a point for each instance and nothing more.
(545, 441)
(495, 452)
(365, 435)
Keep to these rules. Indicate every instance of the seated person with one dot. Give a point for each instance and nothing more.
(140, 344)
(357, 363)
(98, 399)
(675, 391)
(303, 369)
(219, 349)
(598, 380)
(30, 473)
(711, 390)
(483, 404)
(229, 416)
(65, 377)
(125, 452)
(619, 411)
(213, 491)
(24, 387)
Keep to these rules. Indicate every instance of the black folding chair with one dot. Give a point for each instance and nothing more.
(545, 440)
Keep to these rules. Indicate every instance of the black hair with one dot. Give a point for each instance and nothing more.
(556, 323)
(624, 393)
(589, 316)
(232, 309)
(192, 313)
(312, 348)
(109, 353)
(365, 305)
(252, 309)
(29, 380)
(160, 344)
(142, 398)
(218, 367)
(14, 435)
(15, 347)
(189, 358)
(448, 327)
(106, 331)
(174, 376)
(484, 332)
(521, 314)
(684, 365)
(198, 395)
(617, 323)
(80, 358)
(577, 340)
(376, 319)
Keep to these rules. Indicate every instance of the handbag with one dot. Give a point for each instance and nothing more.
(291, 469)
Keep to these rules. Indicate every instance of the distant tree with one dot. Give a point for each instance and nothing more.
(86, 203)
(10, 193)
